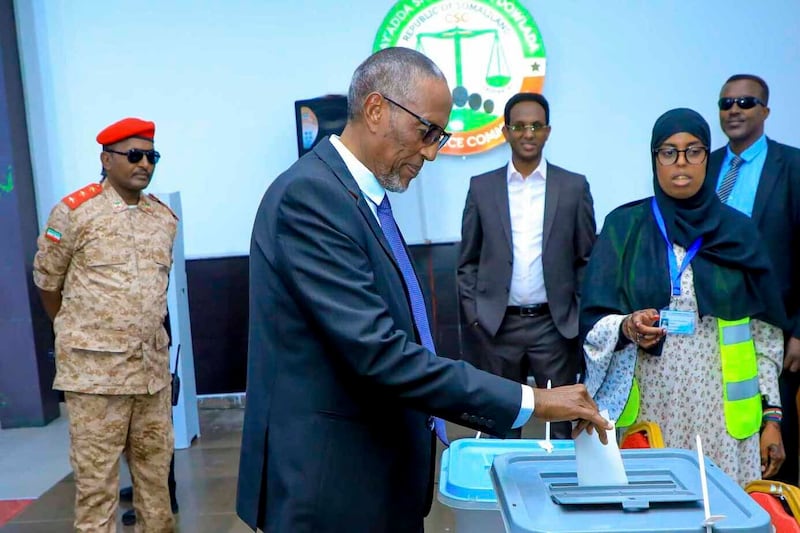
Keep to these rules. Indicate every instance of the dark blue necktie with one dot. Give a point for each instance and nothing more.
(729, 180)
(392, 234)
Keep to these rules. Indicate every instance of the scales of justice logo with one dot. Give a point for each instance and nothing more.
(489, 50)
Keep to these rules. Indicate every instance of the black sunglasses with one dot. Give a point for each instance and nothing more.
(434, 134)
(744, 102)
(135, 155)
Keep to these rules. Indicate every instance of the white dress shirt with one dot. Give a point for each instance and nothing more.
(526, 207)
(374, 192)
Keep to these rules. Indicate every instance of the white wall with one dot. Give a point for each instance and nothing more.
(219, 78)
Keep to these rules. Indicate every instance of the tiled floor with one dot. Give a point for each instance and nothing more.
(33, 459)
(206, 479)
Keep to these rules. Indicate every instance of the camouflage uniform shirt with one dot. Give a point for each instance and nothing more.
(111, 263)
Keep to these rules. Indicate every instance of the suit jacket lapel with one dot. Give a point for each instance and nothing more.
(551, 189)
(715, 164)
(500, 187)
(767, 181)
(331, 157)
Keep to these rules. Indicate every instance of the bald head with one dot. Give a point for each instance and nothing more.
(395, 72)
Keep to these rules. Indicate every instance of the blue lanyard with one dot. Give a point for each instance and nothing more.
(674, 271)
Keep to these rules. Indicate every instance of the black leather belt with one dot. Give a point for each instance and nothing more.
(528, 310)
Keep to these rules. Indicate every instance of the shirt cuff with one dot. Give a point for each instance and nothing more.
(526, 407)
(48, 282)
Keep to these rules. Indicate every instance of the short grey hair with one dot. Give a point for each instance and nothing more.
(394, 72)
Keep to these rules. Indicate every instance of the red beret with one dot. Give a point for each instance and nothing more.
(126, 128)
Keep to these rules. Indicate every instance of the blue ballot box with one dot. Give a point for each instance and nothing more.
(464, 483)
(540, 493)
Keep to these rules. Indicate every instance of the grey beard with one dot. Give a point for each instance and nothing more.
(392, 182)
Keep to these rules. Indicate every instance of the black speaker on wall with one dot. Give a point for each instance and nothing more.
(318, 117)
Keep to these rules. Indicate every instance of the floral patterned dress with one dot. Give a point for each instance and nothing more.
(681, 390)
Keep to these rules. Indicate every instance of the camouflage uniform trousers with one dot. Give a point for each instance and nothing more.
(101, 427)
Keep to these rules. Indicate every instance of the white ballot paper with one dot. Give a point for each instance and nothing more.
(599, 464)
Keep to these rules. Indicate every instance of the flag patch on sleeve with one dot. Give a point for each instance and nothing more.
(52, 234)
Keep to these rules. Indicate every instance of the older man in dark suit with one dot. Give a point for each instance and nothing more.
(342, 375)
(526, 235)
(761, 178)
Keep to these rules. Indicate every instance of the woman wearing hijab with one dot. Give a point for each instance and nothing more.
(680, 315)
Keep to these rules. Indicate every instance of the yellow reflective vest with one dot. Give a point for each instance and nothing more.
(741, 398)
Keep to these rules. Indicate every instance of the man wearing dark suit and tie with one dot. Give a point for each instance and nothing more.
(343, 379)
(761, 178)
(526, 235)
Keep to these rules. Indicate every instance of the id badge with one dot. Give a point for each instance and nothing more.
(677, 322)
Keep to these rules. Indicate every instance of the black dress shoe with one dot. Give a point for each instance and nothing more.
(126, 494)
(129, 517)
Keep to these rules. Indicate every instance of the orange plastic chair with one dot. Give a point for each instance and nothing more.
(783, 521)
(642, 435)
(780, 500)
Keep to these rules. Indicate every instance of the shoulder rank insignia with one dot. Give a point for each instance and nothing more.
(158, 201)
(76, 198)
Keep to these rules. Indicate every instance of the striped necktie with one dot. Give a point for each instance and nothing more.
(729, 180)
(414, 293)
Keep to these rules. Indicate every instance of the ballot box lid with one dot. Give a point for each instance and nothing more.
(464, 472)
(539, 493)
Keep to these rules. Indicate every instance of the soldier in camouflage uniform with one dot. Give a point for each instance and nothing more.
(102, 268)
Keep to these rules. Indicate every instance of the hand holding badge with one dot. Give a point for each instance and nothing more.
(640, 328)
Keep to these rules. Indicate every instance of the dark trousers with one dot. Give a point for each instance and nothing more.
(790, 383)
(527, 346)
(171, 479)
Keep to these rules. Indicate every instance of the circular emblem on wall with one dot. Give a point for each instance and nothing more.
(489, 50)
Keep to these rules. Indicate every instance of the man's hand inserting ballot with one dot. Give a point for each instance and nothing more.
(571, 402)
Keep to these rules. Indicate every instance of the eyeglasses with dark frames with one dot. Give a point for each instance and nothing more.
(135, 155)
(744, 102)
(434, 134)
(695, 155)
(536, 127)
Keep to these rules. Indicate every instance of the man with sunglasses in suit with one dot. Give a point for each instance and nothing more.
(102, 268)
(761, 178)
(343, 380)
(526, 235)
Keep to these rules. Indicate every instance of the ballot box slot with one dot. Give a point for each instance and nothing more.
(644, 488)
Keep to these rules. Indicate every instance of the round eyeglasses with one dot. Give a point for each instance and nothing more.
(694, 155)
